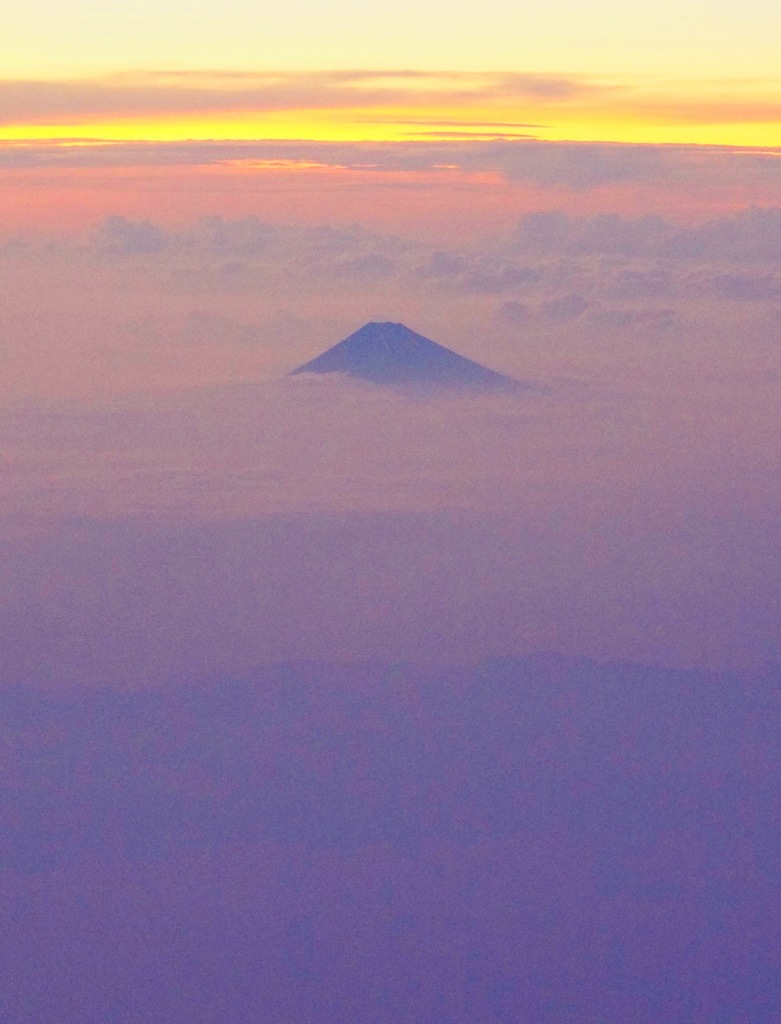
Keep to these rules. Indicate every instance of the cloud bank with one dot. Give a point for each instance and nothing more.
(575, 165)
(627, 513)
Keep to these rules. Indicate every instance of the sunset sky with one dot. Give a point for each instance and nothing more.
(586, 195)
(328, 699)
(668, 72)
(204, 195)
(419, 119)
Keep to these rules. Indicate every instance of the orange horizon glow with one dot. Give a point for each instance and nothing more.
(73, 167)
(756, 135)
(380, 107)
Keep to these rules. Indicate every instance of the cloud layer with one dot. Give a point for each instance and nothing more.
(408, 103)
(629, 512)
(183, 93)
(553, 164)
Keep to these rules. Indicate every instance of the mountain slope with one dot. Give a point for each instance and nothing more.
(392, 355)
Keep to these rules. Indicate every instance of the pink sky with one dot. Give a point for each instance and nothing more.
(409, 190)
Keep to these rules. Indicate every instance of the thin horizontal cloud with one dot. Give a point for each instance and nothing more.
(576, 166)
(468, 135)
(150, 94)
(170, 94)
(443, 123)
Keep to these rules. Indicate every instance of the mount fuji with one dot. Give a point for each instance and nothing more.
(392, 355)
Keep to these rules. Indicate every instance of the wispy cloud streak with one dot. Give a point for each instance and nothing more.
(568, 165)
(136, 94)
(599, 106)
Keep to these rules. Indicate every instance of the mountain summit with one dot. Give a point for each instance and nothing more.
(391, 354)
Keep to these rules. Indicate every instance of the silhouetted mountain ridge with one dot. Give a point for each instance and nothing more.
(236, 834)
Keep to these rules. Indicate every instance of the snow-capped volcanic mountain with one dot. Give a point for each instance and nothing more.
(393, 355)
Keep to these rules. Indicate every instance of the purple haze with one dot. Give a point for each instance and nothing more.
(278, 744)
(537, 840)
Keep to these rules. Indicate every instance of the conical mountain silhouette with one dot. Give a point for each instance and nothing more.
(392, 354)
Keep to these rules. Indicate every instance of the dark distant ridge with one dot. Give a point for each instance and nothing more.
(392, 355)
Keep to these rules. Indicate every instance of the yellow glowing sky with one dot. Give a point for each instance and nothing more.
(691, 71)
